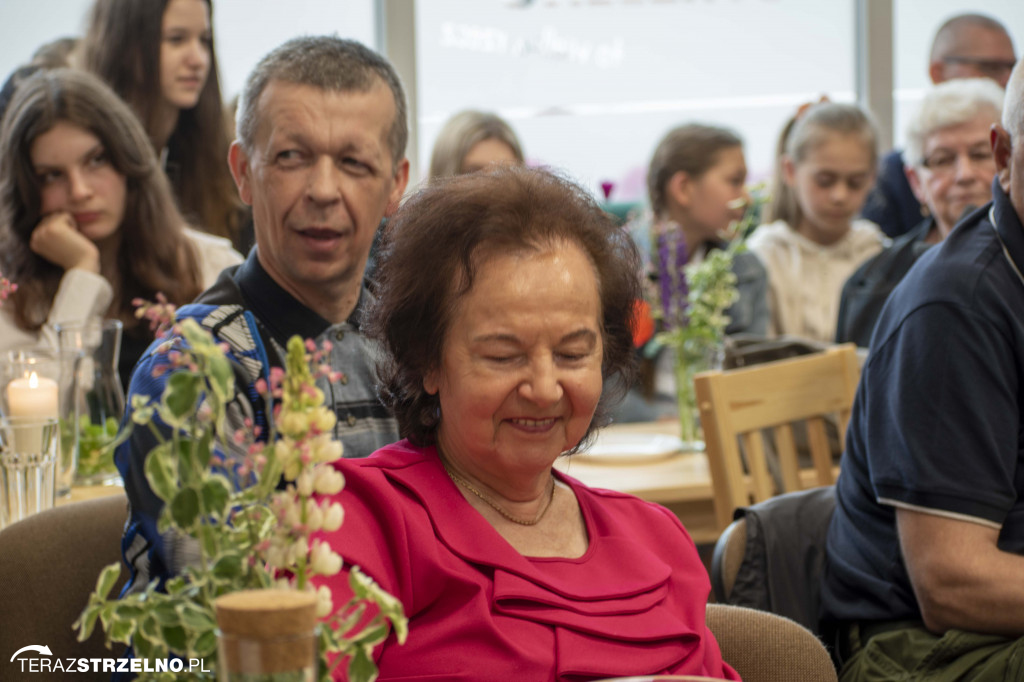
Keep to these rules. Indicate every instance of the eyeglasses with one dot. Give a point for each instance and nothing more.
(992, 68)
(943, 161)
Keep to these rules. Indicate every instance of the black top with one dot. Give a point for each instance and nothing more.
(936, 424)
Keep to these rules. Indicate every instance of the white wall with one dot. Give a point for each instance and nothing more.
(591, 86)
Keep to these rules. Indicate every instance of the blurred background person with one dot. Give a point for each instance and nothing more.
(471, 140)
(504, 307)
(950, 168)
(696, 185)
(159, 56)
(87, 220)
(812, 241)
(965, 46)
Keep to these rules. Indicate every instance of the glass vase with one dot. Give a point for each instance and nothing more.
(99, 399)
(688, 362)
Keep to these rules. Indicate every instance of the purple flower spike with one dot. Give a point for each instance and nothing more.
(672, 257)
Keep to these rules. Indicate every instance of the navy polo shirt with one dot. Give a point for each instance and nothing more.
(936, 424)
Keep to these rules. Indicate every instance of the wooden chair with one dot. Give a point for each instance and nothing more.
(736, 406)
(49, 563)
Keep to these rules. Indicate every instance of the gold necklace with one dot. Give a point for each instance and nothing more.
(459, 480)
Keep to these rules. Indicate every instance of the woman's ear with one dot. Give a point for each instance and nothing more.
(788, 170)
(679, 189)
(915, 184)
(432, 382)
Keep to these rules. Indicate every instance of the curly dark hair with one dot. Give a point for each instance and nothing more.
(433, 247)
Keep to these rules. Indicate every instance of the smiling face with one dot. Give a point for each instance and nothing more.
(956, 171)
(184, 52)
(75, 175)
(520, 373)
(320, 179)
(831, 183)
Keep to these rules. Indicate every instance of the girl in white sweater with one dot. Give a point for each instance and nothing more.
(87, 219)
(812, 242)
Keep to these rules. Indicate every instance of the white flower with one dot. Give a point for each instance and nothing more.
(324, 448)
(333, 516)
(297, 550)
(323, 560)
(329, 481)
(323, 419)
(304, 482)
(324, 602)
(292, 423)
(314, 518)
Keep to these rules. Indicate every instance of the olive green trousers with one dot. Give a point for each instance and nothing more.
(913, 654)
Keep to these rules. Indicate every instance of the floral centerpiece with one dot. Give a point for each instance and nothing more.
(251, 532)
(691, 302)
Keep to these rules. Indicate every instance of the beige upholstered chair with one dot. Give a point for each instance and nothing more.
(761, 647)
(764, 647)
(49, 564)
(737, 406)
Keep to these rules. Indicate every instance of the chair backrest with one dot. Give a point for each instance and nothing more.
(49, 563)
(737, 406)
(764, 647)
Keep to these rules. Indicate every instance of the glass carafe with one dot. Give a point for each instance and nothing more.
(99, 398)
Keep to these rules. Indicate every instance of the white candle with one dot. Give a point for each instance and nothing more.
(31, 396)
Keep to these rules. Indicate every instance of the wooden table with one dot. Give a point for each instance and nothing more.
(680, 481)
(90, 492)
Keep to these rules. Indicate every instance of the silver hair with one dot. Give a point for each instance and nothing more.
(1013, 109)
(949, 104)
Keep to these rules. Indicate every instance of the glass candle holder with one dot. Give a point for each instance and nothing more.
(41, 384)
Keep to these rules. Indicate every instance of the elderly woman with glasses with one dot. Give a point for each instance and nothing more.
(950, 168)
(504, 307)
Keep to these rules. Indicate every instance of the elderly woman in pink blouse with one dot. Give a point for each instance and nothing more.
(504, 306)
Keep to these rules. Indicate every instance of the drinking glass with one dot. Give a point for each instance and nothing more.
(28, 458)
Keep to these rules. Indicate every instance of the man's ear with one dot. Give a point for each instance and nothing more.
(401, 181)
(679, 188)
(1002, 152)
(937, 72)
(915, 184)
(238, 162)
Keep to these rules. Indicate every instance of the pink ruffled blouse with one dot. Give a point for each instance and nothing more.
(633, 604)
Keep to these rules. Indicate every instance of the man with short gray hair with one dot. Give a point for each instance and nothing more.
(965, 46)
(925, 552)
(321, 160)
